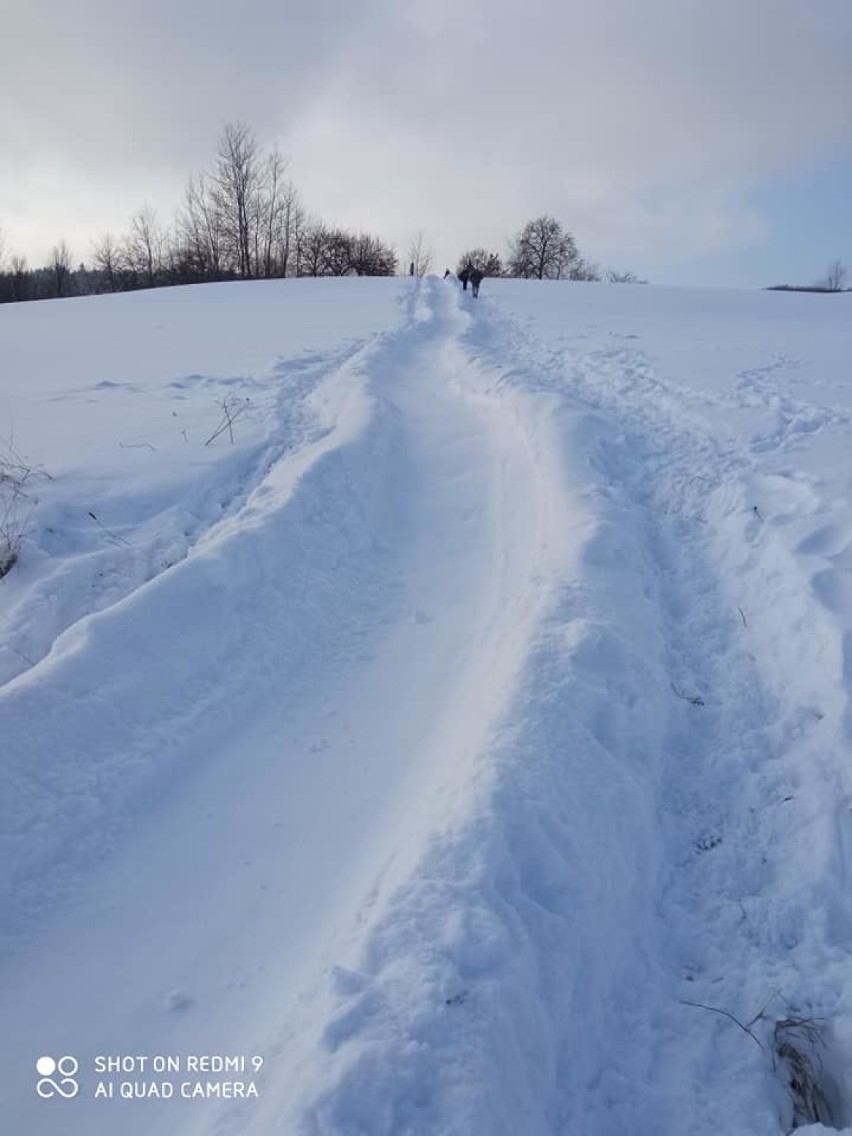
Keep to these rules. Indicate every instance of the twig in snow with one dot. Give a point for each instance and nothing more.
(742, 616)
(762, 1010)
(757, 513)
(232, 409)
(137, 446)
(725, 1014)
(693, 700)
(113, 536)
(16, 505)
(15, 468)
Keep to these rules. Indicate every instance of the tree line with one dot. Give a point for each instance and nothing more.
(542, 250)
(241, 219)
(834, 281)
(244, 219)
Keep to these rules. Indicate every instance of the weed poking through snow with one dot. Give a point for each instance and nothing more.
(798, 1047)
(16, 504)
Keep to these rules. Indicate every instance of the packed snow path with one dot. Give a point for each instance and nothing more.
(346, 617)
(461, 770)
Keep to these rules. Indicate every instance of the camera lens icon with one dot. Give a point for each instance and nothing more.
(57, 1077)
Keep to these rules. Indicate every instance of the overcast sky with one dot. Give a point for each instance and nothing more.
(689, 140)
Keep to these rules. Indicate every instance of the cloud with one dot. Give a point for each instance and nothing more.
(589, 110)
(639, 125)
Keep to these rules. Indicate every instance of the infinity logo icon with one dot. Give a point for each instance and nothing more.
(63, 1085)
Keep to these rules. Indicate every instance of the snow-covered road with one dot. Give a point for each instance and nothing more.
(466, 743)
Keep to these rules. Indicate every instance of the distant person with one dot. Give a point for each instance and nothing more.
(411, 269)
(446, 274)
(475, 277)
(464, 276)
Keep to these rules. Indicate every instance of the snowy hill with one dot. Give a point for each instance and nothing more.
(445, 703)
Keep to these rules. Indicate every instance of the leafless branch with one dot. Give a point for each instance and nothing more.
(725, 1014)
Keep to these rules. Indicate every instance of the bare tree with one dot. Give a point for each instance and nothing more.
(60, 265)
(835, 278)
(312, 249)
(7, 283)
(337, 254)
(245, 217)
(326, 251)
(420, 255)
(107, 258)
(201, 230)
(488, 263)
(543, 250)
(300, 236)
(293, 222)
(256, 207)
(369, 256)
(21, 284)
(144, 247)
(235, 185)
(613, 276)
(582, 269)
(269, 209)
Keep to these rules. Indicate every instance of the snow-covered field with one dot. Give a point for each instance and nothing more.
(467, 744)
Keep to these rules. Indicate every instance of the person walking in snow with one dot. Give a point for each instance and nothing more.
(475, 278)
(464, 276)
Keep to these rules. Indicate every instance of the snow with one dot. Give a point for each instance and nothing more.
(466, 740)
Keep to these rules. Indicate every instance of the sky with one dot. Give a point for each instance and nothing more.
(688, 141)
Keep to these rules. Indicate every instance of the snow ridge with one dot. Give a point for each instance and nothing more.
(124, 693)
